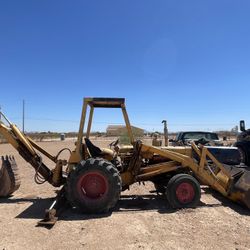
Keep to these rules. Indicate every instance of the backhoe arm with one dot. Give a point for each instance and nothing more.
(20, 142)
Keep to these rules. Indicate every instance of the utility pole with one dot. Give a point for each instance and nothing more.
(165, 132)
(23, 114)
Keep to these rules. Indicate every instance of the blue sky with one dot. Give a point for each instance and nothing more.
(184, 61)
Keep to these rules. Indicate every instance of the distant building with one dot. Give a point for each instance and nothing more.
(118, 130)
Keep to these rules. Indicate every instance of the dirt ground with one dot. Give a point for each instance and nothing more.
(142, 220)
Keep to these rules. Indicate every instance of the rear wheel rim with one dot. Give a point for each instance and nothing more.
(92, 186)
(185, 192)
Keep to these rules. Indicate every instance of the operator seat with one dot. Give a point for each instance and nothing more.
(95, 151)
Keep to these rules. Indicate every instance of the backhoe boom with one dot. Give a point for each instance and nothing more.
(21, 143)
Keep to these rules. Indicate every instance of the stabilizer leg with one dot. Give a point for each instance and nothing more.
(57, 207)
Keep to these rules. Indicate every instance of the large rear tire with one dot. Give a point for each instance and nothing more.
(242, 155)
(9, 176)
(94, 186)
(183, 191)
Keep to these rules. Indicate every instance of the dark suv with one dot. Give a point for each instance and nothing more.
(184, 138)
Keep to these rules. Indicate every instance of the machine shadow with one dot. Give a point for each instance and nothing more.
(126, 204)
(226, 202)
(148, 202)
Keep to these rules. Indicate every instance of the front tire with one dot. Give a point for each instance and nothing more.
(94, 186)
(183, 191)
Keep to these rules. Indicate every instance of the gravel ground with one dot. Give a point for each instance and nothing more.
(141, 220)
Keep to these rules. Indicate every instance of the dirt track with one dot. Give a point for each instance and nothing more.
(142, 220)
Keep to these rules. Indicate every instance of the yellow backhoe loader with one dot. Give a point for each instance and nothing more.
(93, 178)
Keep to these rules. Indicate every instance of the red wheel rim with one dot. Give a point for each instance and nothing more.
(185, 192)
(92, 186)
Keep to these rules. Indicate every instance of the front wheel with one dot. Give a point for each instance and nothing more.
(183, 191)
(94, 186)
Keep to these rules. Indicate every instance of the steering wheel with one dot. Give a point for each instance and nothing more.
(114, 143)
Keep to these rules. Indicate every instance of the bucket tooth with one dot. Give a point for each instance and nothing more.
(9, 176)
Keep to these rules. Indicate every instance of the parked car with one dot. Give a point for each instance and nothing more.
(185, 137)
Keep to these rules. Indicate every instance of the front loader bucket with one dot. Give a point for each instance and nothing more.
(240, 187)
(9, 177)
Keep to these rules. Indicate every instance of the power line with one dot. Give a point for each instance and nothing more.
(120, 123)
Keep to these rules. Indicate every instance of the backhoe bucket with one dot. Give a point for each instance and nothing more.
(9, 177)
(240, 187)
